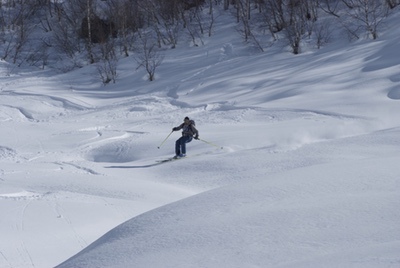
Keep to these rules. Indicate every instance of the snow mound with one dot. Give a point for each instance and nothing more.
(293, 219)
(21, 195)
(394, 93)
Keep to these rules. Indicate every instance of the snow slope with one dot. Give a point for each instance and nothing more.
(307, 177)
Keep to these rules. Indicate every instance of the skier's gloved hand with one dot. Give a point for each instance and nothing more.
(196, 137)
(174, 129)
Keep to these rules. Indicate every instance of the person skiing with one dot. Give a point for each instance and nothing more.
(189, 132)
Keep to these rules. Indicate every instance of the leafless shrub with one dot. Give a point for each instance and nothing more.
(323, 33)
(148, 56)
(366, 15)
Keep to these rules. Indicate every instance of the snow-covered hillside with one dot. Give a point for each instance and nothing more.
(307, 177)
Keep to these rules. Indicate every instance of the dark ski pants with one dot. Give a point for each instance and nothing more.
(180, 144)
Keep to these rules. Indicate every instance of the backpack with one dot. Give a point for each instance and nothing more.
(188, 130)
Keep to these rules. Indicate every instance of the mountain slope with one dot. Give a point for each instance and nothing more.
(311, 176)
(307, 176)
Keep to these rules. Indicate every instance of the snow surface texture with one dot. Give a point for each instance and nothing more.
(308, 175)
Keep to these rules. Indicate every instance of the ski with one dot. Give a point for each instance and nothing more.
(156, 163)
(170, 159)
(159, 162)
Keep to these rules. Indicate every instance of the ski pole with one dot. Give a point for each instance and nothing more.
(212, 144)
(165, 140)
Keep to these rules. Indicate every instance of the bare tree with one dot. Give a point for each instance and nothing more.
(195, 24)
(212, 18)
(172, 30)
(294, 34)
(16, 16)
(296, 24)
(226, 4)
(274, 15)
(66, 34)
(243, 16)
(45, 14)
(331, 7)
(39, 55)
(243, 13)
(23, 30)
(107, 70)
(323, 33)
(392, 3)
(365, 14)
(107, 65)
(149, 57)
(89, 16)
(128, 17)
(166, 22)
(65, 38)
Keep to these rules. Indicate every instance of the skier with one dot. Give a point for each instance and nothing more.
(188, 131)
